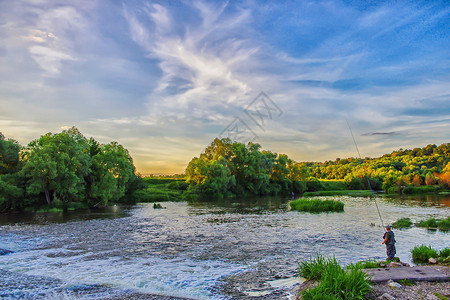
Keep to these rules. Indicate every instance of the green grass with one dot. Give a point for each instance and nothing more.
(316, 205)
(421, 189)
(161, 189)
(421, 254)
(352, 193)
(442, 224)
(315, 268)
(444, 253)
(402, 223)
(367, 264)
(440, 296)
(335, 282)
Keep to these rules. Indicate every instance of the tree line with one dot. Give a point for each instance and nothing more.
(428, 166)
(227, 168)
(62, 169)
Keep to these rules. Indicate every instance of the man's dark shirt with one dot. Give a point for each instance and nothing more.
(390, 237)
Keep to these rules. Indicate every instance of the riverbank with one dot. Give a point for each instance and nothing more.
(415, 290)
(406, 291)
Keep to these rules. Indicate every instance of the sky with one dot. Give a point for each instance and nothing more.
(164, 78)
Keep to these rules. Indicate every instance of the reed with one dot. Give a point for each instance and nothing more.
(317, 205)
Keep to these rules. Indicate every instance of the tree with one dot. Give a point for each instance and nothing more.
(112, 172)
(9, 155)
(56, 165)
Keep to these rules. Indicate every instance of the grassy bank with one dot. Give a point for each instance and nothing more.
(316, 205)
(161, 189)
(335, 282)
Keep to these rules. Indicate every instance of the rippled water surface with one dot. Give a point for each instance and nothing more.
(233, 249)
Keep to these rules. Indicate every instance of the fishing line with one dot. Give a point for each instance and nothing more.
(365, 173)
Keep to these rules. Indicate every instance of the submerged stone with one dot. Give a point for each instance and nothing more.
(4, 251)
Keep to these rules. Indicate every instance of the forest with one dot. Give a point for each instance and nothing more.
(64, 170)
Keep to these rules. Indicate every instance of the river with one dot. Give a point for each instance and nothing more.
(234, 249)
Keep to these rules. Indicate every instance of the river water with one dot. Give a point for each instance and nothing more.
(234, 249)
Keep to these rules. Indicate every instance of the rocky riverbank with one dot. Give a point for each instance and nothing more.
(404, 289)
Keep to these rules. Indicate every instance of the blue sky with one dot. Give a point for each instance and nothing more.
(164, 78)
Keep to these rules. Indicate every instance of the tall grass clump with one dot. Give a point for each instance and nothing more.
(442, 224)
(430, 223)
(444, 253)
(316, 205)
(335, 282)
(422, 253)
(402, 223)
(316, 267)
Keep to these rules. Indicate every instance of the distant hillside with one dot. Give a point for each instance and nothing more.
(420, 166)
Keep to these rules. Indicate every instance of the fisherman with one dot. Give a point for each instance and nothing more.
(389, 241)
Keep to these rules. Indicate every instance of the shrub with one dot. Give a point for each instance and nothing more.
(316, 205)
(402, 223)
(313, 184)
(336, 282)
(422, 253)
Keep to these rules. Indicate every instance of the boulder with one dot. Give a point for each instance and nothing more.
(394, 265)
(4, 251)
(394, 284)
(432, 261)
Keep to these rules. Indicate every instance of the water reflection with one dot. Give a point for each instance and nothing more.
(420, 200)
(110, 212)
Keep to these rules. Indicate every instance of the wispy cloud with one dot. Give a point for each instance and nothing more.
(165, 78)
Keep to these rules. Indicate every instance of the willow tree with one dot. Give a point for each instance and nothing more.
(56, 165)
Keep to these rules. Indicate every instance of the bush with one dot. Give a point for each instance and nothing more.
(313, 185)
(333, 185)
(422, 253)
(336, 282)
(402, 223)
(316, 205)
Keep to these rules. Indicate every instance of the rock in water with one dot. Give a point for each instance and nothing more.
(4, 251)
(432, 261)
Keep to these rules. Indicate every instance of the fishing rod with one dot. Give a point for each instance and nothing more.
(365, 173)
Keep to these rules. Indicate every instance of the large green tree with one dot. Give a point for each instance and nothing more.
(56, 165)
